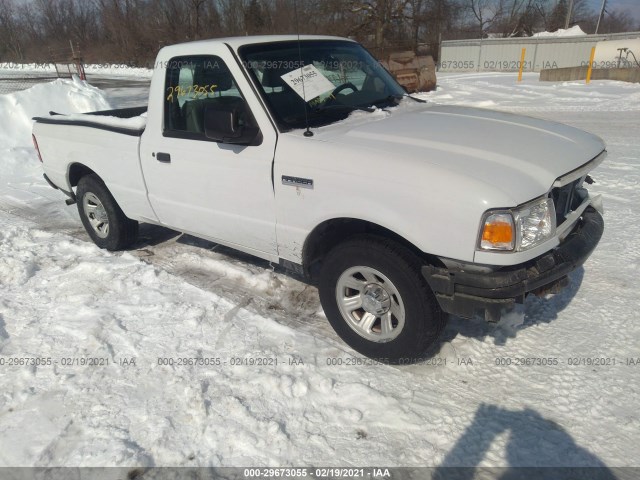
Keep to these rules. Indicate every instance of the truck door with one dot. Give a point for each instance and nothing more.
(215, 190)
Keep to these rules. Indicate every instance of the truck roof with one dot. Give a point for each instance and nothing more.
(237, 42)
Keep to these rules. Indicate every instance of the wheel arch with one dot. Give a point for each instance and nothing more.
(77, 171)
(328, 234)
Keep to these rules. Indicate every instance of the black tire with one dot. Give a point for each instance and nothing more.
(423, 318)
(121, 231)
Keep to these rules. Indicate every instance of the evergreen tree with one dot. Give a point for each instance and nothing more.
(558, 16)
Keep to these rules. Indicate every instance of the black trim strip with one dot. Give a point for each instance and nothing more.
(71, 195)
(266, 111)
(121, 112)
(51, 184)
(89, 124)
(257, 94)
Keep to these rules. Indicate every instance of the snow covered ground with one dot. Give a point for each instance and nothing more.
(177, 300)
(18, 76)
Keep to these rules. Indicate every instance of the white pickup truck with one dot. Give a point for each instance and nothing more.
(304, 151)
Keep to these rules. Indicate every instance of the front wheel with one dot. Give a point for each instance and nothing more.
(102, 217)
(375, 298)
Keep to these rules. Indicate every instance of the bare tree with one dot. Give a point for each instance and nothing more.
(431, 20)
(486, 12)
(133, 30)
(233, 13)
(195, 12)
(377, 17)
(256, 17)
(130, 27)
(519, 18)
(11, 41)
(616, 21)
(83, 21)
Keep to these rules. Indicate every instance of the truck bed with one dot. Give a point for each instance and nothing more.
(106, 142)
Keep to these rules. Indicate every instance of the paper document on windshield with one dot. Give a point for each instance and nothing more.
(315, 83)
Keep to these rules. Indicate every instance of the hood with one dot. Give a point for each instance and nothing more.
(520, 156)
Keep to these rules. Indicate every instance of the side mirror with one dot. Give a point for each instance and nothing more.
(230, 124)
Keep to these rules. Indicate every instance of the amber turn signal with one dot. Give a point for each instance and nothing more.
(498, 232)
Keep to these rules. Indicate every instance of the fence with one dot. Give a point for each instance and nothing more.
(14, 78)
(62, 64)
(503, 54)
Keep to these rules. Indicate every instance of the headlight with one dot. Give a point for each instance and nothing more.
(519, 229)
(536, 223)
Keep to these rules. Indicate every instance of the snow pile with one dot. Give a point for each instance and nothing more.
(62, 96)
(574, 31)
(21, 184)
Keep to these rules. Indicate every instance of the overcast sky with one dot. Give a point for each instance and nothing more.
(631, 6)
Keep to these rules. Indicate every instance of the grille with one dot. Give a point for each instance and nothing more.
(567, 198)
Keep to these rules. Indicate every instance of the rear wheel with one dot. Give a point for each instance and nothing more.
(375, 298)
(102, 217)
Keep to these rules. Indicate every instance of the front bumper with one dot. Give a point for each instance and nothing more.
(466, 294)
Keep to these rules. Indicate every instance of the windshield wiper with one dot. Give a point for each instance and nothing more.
(415, 99)
(340, 106)
(393, 100)
(396, 99)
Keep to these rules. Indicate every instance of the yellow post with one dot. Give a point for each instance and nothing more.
(593, 54)
(524, 52)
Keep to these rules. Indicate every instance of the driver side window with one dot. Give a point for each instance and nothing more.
(195, 84)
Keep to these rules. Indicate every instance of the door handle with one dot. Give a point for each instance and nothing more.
(163, 157)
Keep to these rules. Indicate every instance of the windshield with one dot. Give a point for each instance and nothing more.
(337, 77)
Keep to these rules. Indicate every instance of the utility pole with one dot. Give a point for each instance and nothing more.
(569, 11)
(604, 6)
